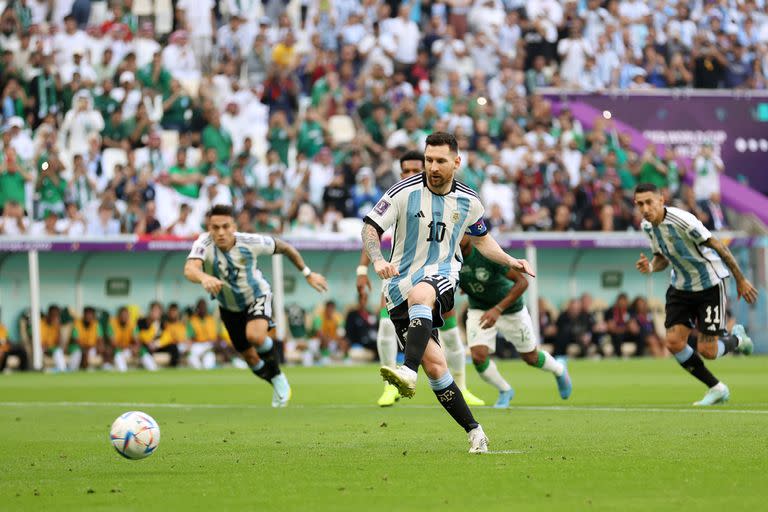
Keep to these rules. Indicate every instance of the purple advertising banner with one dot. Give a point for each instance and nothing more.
(736, 123)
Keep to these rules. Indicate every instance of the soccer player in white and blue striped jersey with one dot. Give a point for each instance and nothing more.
(430, 213)
(696, 295)
(223, 261)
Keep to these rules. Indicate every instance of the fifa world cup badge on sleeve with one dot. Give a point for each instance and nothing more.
(381, 207)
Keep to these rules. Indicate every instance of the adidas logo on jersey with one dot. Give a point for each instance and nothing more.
(711, 328)
(420, 214)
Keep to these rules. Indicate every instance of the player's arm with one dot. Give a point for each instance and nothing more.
(743, 286)
(362, 272)
(657, 264)
(193, 271)
(490, 248)
(490, 317)
(380, 218)
(315, 280)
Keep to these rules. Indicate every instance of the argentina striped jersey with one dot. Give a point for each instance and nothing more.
(428, 229)
(679, 239)
(243, 281)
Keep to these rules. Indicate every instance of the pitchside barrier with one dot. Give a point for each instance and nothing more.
(127, 270)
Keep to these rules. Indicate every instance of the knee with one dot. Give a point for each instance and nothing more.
(707, 350)
(479, 355)
(424, 295)
(675, 345)
(434, 369)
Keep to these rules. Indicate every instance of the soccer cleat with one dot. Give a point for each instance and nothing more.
(478, 441)
(389, 396)
(718, 394)
(282, 391)
(564, 384)
(504, 398)
(402, 377)
(472, 399)
(745, 342)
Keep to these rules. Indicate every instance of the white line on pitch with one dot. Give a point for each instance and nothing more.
(566, 408)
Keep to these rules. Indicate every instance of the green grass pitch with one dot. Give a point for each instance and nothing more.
(627, 440)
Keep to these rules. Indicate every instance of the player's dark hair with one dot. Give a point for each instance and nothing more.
(443, 139)
(221, 209)
(412, 155)
(646, 187)
(89, 309)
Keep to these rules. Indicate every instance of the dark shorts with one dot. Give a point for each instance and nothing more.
(704, 310)
(445, 291)
(235, 321)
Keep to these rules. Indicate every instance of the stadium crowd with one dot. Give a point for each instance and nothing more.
(136, 116)
(194, 336)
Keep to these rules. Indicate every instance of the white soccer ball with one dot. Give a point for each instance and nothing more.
(135, 435)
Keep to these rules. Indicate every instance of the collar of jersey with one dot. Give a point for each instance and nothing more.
(424, 180)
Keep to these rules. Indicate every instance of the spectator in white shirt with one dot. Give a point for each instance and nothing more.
(185, 226)
(407, 36)
(199, 19)
(13, 222)
(495, 193)
(707, 168)
(73, 224)
(179, 59)
(46, 227)
(80, 123)
(105, 223)
(574, 51)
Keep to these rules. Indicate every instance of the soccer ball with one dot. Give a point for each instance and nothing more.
(135, 435)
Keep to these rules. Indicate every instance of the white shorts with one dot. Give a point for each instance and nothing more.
(516, 328)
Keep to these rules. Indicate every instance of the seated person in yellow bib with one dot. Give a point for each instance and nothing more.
(87, 340)
(50, 337)
(121, 334)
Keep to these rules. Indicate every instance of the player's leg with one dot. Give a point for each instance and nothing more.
(456, 355)
(518, 328)
(121, 359)
(386, 345)
(713, 340)
(57, 353)
(196, 352)
(450, 397)
(482, 343)
(75, 357)
(146, 358)
(257, 332)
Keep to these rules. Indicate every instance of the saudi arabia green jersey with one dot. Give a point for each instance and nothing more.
(486, 283)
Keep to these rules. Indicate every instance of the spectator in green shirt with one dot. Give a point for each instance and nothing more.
(272, 195)
(215, 136)
(280, 135)
(12, 179)
(116, 133)
(52, 187)
(185, 180)
(311, 134)
(211, 166)
(652, 169)
(178, 108)
(155, 76)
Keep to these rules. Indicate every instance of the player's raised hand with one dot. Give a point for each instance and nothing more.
(363, 284)
(318, 282)
(643, 265)
(523, 266)
(746, 290)
(385, 269)
(211, 284)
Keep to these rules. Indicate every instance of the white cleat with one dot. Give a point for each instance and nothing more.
(281, 393)
(478, 441)
(718, 394)
(402, 377)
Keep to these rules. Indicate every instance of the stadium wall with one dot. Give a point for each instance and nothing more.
(563, 274)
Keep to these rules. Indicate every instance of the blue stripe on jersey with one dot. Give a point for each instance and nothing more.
(687, 255)
(232, 280)
(676, 265)
(250, 265)
(462, 203)
(438, 213)
(409, 251)
(216, 274)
